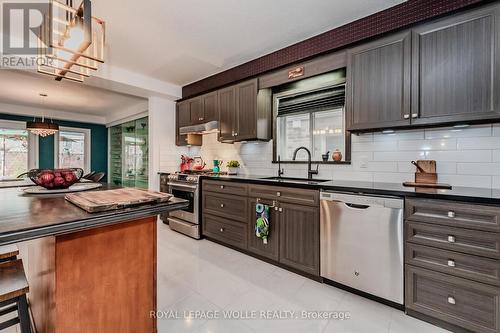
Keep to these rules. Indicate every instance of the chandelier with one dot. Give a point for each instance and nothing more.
(71, 41)
(42, 128)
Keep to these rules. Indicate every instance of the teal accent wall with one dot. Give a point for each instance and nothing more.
(98, 143)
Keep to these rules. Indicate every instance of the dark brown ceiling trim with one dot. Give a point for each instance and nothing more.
(391, 19)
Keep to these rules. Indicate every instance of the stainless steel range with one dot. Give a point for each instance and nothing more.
(186, 186)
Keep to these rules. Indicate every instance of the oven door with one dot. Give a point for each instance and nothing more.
(188, 192)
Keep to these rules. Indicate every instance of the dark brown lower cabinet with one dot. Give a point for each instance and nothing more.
(294, 235)
(255, 244)
(468, 304)
(226, 231)
(299, 237)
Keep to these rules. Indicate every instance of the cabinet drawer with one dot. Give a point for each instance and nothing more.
(225, 187)
(471, 305)
(285, 194)
(230, 206)
(462, 240)
(455, 214)
(227, 231)
(454, 263)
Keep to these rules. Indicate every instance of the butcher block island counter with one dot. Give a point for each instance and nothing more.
(87, 272)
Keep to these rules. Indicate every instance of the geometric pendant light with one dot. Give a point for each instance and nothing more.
(71, 41)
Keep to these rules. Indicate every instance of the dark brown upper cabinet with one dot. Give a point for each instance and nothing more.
(227, 107)
(183, 118)
(456, 68)
(378, 74)
(245, 112)
(196, 109)
(210, 111)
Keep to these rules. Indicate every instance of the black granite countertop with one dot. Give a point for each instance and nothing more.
(468, 194)
(24, 217)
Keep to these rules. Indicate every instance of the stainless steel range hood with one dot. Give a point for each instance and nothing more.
(206, 128)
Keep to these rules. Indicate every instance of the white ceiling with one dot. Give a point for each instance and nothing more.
(181, 41)
(23, 88)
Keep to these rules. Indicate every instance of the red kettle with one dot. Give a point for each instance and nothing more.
(186, 162)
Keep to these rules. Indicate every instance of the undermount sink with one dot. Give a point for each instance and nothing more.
(295, 180)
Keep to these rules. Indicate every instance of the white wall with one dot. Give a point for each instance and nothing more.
(164, 155)
(465, 157)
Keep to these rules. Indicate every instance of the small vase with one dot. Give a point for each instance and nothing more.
(337, 155)
(232, 171)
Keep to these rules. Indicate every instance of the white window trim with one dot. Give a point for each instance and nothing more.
(32, 141)
(87, 157)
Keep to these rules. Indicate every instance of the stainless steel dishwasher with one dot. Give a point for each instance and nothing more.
(362, 243)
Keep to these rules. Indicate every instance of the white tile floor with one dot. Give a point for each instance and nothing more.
(204, 276)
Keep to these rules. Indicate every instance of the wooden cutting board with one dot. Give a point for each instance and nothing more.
(99, 201)
(428, 185)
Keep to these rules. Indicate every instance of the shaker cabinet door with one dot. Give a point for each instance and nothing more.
(378, 74)
(246, 110)
(210, 107)
(183, 118)
(255, 244)
(299, 237)
(196, 108)
(456, 68)
(227, 111)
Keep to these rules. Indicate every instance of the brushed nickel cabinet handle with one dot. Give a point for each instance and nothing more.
(451, 214)
(221, 229)
(451, 239)
(414, 115)
(222, 187)
(451, 263)
(406, 116)
(452, 300)
(278, 194)
(280, 209)
(221, 205)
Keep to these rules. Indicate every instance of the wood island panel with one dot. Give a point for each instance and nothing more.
(98, 280)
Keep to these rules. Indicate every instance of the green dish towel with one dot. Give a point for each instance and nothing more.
(262, 222)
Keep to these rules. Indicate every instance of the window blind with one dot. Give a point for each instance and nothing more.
(314, 101)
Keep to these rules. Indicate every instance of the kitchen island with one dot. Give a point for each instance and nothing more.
(86, 272)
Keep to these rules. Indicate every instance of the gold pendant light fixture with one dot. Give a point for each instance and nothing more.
(42, 128)
(71, 41)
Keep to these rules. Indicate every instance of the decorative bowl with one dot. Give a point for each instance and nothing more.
(55, 179)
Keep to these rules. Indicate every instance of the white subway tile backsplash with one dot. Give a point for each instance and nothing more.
(479, 143)
(375, 146)
(376, 166)
(387, 177)
(486, 169)
(399, 135)
(467, 181)
(438, 144)
(460, 156)
(496, 129)
(397, 156)
(496, 182)
(450, 132)
(465, 157)
(496, 155)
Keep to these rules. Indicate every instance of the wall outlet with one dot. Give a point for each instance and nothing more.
(363, 163)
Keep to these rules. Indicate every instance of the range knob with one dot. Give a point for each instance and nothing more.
(172, 177)
(192, 179)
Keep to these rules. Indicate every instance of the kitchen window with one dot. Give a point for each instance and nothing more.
(72, 147)
(313, 118)
(18, 149)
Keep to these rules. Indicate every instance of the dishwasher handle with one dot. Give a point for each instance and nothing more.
(362, 201)
(356, 206)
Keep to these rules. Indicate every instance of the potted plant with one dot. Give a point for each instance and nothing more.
(232, 167)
